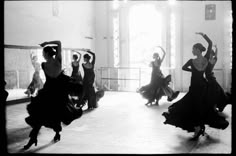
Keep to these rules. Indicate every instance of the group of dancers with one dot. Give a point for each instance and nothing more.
(53, 104)
(200, 106)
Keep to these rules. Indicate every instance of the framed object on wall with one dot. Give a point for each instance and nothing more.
(210, 12)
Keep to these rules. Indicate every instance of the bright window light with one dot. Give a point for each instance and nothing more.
(115, 4)
(173, 39)
(116, 40)
(171, 2)
(145, 25)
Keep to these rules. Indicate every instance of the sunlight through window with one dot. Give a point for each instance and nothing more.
(116, 40)
(145, 34)
(172, 40)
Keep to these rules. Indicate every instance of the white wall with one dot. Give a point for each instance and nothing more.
(193, 20)
(101, 33)
(29, 23)
(32, 22)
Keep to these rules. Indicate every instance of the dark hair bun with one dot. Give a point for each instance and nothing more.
(87, 56)
(49, 50)
(200, 47)
(75, 56)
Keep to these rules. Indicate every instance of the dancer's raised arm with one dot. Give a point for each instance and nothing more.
(78, 54)
(209, 48)
(57, 48)
(164, 53)
(92, 53)
(216, 51)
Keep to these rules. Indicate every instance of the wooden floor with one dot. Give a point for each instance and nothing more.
(122, 124)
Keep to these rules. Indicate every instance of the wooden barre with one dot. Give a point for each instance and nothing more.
(36, 47)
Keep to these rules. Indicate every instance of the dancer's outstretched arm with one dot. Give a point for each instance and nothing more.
(209, 48)
(58, 48)
(164, 53)
(94, 57)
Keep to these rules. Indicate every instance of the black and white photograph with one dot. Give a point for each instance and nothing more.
(117, 77)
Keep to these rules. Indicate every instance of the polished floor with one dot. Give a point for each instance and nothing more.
(122, 124)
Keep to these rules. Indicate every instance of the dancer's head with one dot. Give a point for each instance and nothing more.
(48, 52)
(198, 48)
(156, 56)
(75, 57)
(86, 58)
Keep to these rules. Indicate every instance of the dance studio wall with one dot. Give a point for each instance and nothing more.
(28, 23)
(193, 20)
(33, 22)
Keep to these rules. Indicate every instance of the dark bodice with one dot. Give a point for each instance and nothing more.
(53, 83)
(197, 77)
(156, 72)
(75, 68)
(89, 75)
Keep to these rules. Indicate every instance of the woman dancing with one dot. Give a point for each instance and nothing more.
(36, 83)
(217, 95)
(52, 105)
(89, 94)
(158, 85)
(76, 75)
(193, 111)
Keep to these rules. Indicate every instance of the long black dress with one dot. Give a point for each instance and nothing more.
(158, 85)
(217, 95)
(76, 75)
(188, 111)
(52, 106)
(194, 109)
(89, 91)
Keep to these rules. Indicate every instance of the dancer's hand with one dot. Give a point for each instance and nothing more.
(43, 44)
(87, 50)
(200, 33)
(160, 47)
(76, 51)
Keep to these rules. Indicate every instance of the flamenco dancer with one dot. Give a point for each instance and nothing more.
(216, 96)
(76, 75)
(193, 111)
(89, 94)
(52, 106)
(158, 85)
(36, 83)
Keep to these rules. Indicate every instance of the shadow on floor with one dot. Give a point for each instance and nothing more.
(187, 145)
(36, 149)
(18, 134)
(207, 141)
